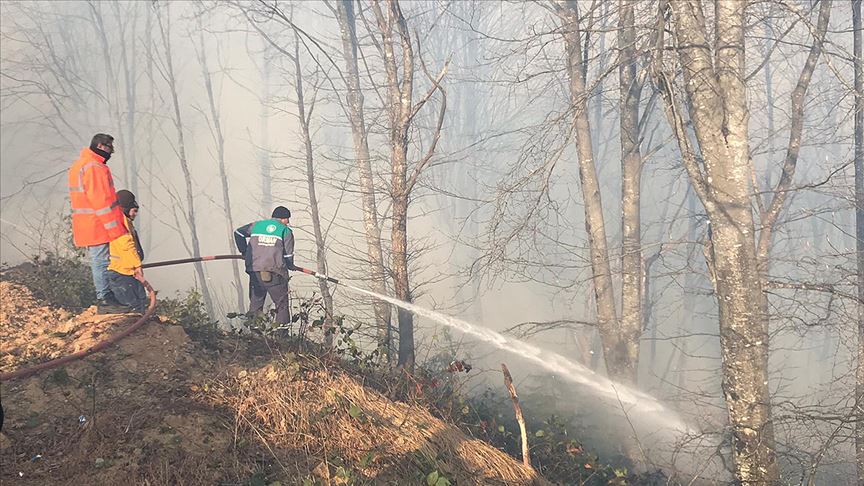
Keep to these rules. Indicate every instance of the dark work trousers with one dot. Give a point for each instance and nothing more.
(277, 287)
(128, 291)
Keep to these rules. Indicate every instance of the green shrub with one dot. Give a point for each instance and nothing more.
(188, 311)
(556, 452)
(62, 281)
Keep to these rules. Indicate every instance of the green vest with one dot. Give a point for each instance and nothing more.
(270, 242)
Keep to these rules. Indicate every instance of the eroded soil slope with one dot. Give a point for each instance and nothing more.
(162, 407)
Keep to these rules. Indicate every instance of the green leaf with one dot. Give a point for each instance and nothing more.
(442, 481)
(366, 460)
(501, 429)
(539, 433)
(432, 478)
(354, 412)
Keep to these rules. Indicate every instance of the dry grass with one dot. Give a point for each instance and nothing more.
(161, 409)
(320, 413)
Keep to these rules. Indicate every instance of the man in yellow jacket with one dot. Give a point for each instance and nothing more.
(125, 277)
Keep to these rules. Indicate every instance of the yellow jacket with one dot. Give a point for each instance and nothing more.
(124, 252)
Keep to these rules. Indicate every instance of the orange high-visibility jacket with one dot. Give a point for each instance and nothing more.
(96, 215)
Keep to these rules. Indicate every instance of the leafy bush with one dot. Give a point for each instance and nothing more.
(188, 311)
(555, 452)
(62, 281)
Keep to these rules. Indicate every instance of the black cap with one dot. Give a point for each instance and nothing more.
(126, 200)
(281, 212)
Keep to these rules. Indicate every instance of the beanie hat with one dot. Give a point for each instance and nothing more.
(101, 139)
(126, 200)
(281, 212)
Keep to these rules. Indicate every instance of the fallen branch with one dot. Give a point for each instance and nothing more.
(508, 380)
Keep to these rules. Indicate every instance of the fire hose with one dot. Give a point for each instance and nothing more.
(232, 257)
(54, 363)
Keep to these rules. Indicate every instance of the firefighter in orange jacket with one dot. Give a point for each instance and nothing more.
(96, 215)
(125, 276)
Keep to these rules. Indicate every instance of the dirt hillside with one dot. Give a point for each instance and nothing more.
(167, 406)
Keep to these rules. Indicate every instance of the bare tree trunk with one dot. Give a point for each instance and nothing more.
(395, 37)
(632, 264)
(111, 80)
(219, 138)
(859, 231)
(716, 99)
(596, 101)
(617, 350)
(165, 30)
(130, 154)
(151, 92)
(689, 297)
(320, 245)
(264, 149)
(769, 96)
(347, 24)
(399, 94)
(400, 122)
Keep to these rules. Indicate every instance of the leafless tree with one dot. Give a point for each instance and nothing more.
(304, 119)
(354, 110)
(770, 214)
(264, 162)
(215, 123)
(166, 68)
(715, 99)
(395, 40)
(128, 59)
(620, 334)
(858, 61)
(633, 268)
(618, 357)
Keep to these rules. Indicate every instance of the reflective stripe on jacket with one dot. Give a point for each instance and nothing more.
(125, 258)
(270, 247)
(96, 215)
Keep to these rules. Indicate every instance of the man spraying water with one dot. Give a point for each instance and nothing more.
(269, 256)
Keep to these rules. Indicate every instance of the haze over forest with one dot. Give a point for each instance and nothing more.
(661, 190)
